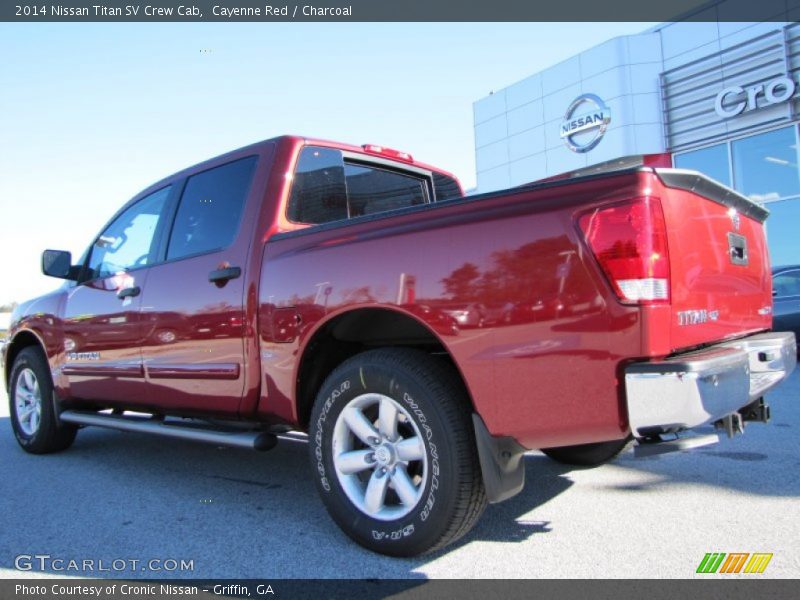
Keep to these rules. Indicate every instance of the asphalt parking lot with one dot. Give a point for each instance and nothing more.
(240, 514)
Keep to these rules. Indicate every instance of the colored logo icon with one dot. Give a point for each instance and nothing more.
(735, 562)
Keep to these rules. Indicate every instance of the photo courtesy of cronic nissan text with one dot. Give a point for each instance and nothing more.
(370, 299)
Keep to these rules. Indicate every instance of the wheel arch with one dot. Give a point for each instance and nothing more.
(347, 333)
(24, 338)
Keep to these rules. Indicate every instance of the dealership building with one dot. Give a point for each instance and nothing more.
(719, 97)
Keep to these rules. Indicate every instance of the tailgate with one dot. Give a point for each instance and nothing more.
(721, 285)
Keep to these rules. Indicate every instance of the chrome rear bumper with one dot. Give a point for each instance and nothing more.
(692, 389)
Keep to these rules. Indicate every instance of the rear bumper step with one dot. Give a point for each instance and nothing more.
(689, 390)
(253, 440)
(654, 447)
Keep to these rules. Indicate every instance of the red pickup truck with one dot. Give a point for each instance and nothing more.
(424, 340)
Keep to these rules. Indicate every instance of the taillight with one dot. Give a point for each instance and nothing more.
(629, 241)
(388, 152)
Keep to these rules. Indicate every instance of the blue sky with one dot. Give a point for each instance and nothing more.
(92, 113)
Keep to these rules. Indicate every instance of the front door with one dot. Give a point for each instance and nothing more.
(193, 304)
(102, 326)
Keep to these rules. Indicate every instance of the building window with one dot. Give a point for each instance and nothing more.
(712, 161)
(765, 165)
(784, 243)
(765, 169)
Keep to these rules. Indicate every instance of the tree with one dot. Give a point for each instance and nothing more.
(461, 284)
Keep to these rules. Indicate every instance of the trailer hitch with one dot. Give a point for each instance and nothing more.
(757, 411)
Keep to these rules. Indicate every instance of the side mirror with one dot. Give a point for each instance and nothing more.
(774, 292)
(58, 263)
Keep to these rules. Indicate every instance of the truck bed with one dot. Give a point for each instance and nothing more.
(563, 332)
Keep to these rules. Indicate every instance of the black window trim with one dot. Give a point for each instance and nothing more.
(171, 211)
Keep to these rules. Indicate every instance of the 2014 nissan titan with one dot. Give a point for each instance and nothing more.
(424, 340)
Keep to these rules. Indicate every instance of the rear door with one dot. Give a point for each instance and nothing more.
(193, 305)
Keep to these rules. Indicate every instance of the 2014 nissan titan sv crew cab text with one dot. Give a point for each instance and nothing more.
(424, 340)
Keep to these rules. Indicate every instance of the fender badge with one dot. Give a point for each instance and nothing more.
(83, 356)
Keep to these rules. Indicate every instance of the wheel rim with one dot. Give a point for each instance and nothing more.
(28, 402)
(379, 457)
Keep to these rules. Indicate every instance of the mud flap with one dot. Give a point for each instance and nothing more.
(501, 463)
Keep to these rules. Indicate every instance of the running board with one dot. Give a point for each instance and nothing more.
(252, 440)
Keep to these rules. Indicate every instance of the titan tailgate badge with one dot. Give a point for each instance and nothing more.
(697, 317)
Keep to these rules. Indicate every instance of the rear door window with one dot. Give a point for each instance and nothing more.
(210, 209)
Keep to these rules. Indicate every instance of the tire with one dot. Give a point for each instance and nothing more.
(31, 406)
(423, 496)
(587, 455)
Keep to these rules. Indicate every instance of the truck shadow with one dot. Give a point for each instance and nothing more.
(508, 521)
(764, 461)
(235, 513)
(739, 465)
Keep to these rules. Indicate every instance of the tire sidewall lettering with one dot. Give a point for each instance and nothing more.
(321, 420)
(433, 486)
(426, 390)
(343, 392)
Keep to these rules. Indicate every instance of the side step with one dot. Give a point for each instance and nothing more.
(253, 440)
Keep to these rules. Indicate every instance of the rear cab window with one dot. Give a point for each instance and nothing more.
(372, 190)
(318, 193)
(330, 185)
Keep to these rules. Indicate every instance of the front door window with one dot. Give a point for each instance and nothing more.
(128, 242)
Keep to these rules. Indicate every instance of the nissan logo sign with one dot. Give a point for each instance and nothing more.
(736, 99)
(585, 123)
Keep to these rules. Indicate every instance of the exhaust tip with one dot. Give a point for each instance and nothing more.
(265, 442)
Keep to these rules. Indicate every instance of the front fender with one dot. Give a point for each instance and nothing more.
(37, 322)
